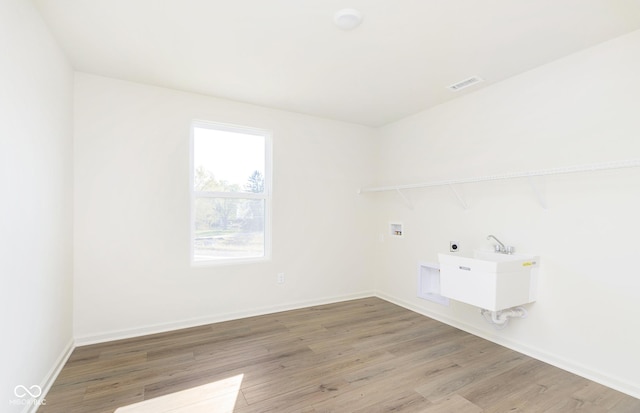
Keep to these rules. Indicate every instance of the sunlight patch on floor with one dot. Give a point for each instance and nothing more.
(215, 397)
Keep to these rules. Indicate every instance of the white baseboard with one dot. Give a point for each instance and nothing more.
(88, 339)
(51, 376)
(560, 362)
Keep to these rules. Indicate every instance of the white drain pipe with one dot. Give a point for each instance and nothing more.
(500, 319)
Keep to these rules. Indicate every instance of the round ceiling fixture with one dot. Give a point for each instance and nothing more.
(347, 19)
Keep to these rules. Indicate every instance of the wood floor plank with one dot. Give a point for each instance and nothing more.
(454, 403)
(515, 381)
(364, 355)
(314, 376)
(603, 396)
(404, 402)
(383, 388)
(472, 373)
(219, 396)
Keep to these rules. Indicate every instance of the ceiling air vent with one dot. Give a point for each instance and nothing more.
(465, 83)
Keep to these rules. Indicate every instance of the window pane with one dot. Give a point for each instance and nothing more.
(228, 228)
(227, 161)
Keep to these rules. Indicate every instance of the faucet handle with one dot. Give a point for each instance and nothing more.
(510, 249)
(498, 248)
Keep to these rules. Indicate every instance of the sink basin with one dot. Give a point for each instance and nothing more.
(489, 280)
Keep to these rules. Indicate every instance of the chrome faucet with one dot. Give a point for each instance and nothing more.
(501, 247)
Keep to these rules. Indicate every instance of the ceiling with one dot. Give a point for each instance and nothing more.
(287, 54)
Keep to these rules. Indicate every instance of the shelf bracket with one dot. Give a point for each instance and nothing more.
(406, 200)
(459, 197)
(541, 198)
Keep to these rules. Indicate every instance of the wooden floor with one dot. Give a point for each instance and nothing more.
(357, 356)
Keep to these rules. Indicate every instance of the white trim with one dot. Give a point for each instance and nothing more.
(199, 321)
(229, 127)
(560, 362)
(268, 191)
(52, 375)
(241, 195)
(191, 193)
(214, 262)
(266, 195)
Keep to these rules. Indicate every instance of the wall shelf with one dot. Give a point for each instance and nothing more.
(634, 163)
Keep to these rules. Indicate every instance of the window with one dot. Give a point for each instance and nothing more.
(230, 193)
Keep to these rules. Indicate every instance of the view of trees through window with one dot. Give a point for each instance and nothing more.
(229, 209)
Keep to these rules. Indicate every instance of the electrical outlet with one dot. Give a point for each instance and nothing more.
(280, 278)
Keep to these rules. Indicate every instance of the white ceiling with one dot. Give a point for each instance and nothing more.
(287, 54)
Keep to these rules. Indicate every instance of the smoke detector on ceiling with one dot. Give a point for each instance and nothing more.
(347, 19)
(465, 83)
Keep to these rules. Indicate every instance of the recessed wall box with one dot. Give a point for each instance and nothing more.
(395, 229)
(429, 283)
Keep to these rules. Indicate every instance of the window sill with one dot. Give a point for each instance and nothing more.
(228, 261)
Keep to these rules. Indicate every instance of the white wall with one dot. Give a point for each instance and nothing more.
(132, 271)
(36, 208)
(579, 110)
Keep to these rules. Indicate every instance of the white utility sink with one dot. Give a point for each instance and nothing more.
(489, 280)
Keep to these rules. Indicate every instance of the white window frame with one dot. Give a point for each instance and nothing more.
(266, 195)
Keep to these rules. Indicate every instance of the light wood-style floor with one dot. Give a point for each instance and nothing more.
(363, 355)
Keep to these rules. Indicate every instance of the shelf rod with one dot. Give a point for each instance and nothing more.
(405, 199)
(536, 191)
(540, 172)
(460, 198)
